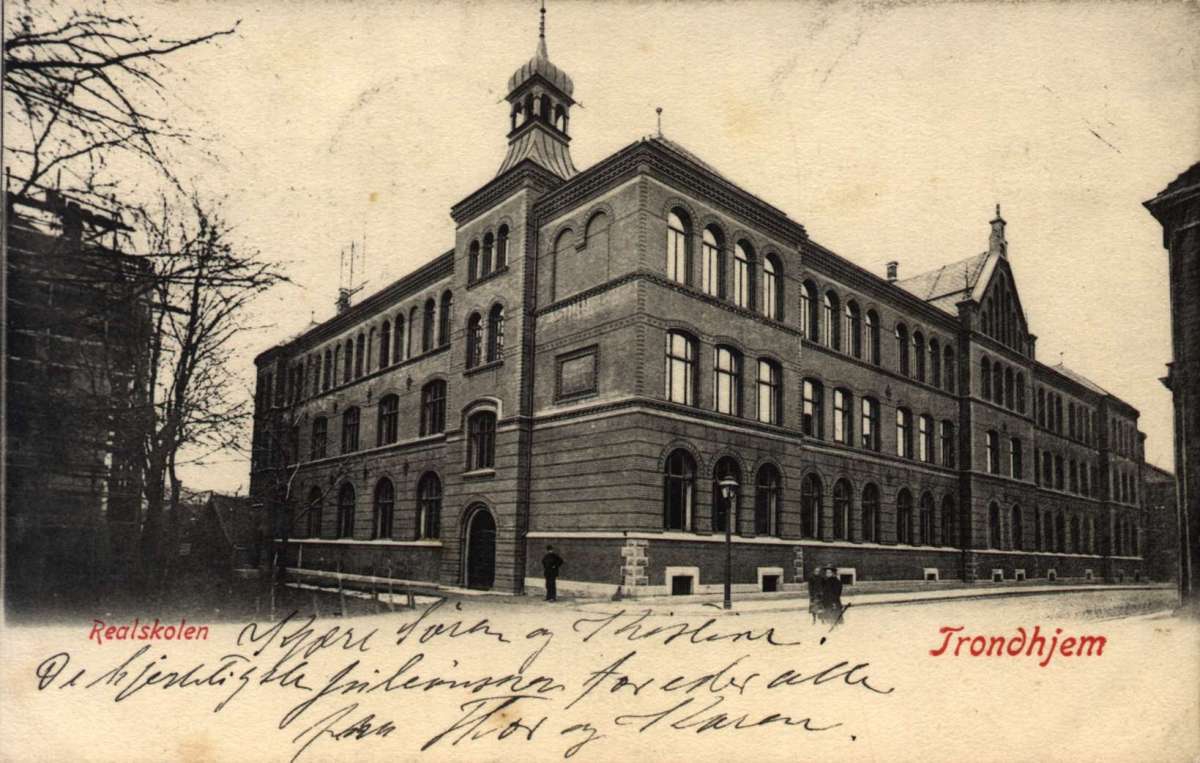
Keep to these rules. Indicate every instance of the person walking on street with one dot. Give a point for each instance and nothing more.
(832, 596)
(816, 596)
(551, 563)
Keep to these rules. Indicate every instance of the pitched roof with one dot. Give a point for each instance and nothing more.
(945, 286)
(1079, 378)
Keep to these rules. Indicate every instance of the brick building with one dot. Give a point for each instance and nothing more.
(77, 356)
(600, 347)
(1162, 546)
(1177, 209)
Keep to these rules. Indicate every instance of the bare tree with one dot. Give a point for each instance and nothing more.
(83, 86)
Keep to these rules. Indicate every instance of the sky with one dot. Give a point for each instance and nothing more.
(890, 131)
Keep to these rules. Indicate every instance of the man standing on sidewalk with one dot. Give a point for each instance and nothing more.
(831, 590)
(551, 563)
(816, 595)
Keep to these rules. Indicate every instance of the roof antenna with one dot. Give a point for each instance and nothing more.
(659, 112)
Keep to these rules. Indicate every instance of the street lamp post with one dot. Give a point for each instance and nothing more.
(729, 487)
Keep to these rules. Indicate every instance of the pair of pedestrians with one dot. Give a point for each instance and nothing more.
(825, 596)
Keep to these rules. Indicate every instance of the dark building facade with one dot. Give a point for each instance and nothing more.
(1177, 209)
(1163, 536)
(77, 355)
(600, 347)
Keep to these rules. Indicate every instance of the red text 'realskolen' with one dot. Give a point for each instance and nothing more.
(1021, 644)
(147, 631)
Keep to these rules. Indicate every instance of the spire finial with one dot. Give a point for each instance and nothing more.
(659, 112)
(541, 48)
(997, 209)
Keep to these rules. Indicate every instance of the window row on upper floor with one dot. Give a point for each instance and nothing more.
(1055, 472)
(1123, 438)
(736, 274)
(309, 519)
(1080, 422)
(488, 255)
(1001, 385)
(1005, 458)
(1064, 532)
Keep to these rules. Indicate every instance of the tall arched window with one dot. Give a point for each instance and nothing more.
(678, 244)
(679, 491)
(359, 356)
(810, 322)
(904, 517)
(444, 318)
(726, 468)
(712, 278)
(595, 235)
(350, 430)
(770, 392)
(385, 503)
(918, 341)
(429, 506)
(902, 347)
(935, 362)
(743, 275)
(387, 431)
(474, 340)
(481, 440)
(398, 344)
(433, 408)
(949, 522)
(853, 329)
(412, 332)
(327, 376)
(925, 524)
(948, 368)
(502, 248)
(872, 331)
(994, 530)
(345, 511)
(772, 288)
(1017, 531)
(727, 380)
(1020, 390)
(312, 515)
(473, 262)
(348, 361)
(385, 344)
(485, 257)
(768, 501)
(320, 434)
(495, 348)
(830, 321)
(811, 499)
(870, 514)
(681, 368)
(1077, 538)
(1009, 397)
(985, 378)
(841, 510)
(997, 384)
(427, 325)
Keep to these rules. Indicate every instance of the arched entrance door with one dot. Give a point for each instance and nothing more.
(481, 548)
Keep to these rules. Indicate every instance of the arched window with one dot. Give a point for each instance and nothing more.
(412, 331)
(495, 333)
(925, 438)
(743, 275)
(1060, 532)
(473, 262)
(427, 325)
(429, 506)
(485, 257)
(678, 247)
(919, 354)
(841, 510)
(926, 521)
(1020, 390)
(385, 503)
(812, 410)
(726, 468)
(345, 511)
(843, 416)
(1077, 537)
(444, 318)
(1009, 397)
(997, 384)
(810, 322)
(727, 380)
(853, 329)
(949, 522)
(398, 344)
(985, 378)
(327, 376)
(949, 369)
(994, 529)
(770, 397)
(902, 347)
(320, 434)
(904, 517)
(1040, 407)
(359, 356)
(387, 431)
(385, 344)
(870, 514)
(481, 440)
(904, 439)
(502, 248)
(768, 501)
(433, 408)
(474, 340)
(872, 330)
(312, 513)
(1018, 534)
(811, 498)
(830, 314)
(772, 288)
(935, 362)
(712, 278)
(681, 368)
(348, 364)
(595, 235)
(350, 430)
(679, 491)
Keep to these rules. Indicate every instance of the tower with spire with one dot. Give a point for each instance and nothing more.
(540, 96)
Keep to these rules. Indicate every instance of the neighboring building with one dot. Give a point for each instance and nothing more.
(601, 347)
(1177, 209)
(77, 331)
(1162, 545)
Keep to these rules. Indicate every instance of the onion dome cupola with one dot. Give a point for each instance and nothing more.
(539, 94)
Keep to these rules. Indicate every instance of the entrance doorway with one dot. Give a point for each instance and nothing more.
(481, 549)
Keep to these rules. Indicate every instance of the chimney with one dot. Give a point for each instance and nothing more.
(997, 244)
(893, 268)
(343, 300)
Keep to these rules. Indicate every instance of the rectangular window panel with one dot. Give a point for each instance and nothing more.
(577, 373)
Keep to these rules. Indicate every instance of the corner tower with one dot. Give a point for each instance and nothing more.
(540, 97)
